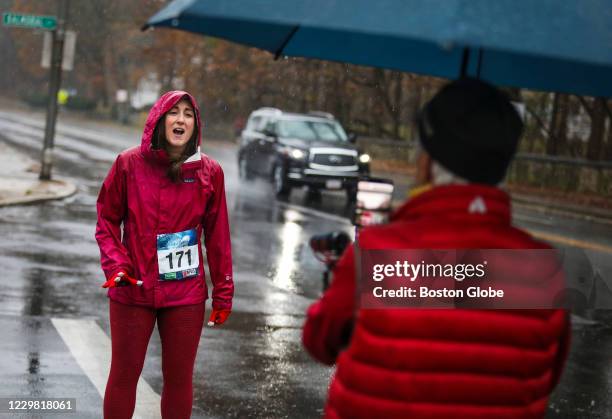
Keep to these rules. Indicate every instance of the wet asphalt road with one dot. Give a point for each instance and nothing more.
(254, 366)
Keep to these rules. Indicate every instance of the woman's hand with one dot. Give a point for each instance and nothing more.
(115, 280)
(218, 316)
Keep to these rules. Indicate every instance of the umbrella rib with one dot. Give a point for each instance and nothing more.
(465, 58)
(465, 62)
(279, 51)
(478, 68)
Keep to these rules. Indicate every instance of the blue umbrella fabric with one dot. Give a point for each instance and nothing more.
(551, 45)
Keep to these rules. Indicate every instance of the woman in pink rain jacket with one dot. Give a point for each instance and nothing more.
(155, 204)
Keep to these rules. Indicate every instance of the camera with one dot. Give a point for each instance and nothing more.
(373, 205)
(332, 244)
(328, 248)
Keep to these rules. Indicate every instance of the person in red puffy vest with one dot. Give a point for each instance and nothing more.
(443, 363)
(155, 204)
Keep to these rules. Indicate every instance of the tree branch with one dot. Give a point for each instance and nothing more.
(585, 105)
(606, 107)
(359, 81)
(540, 123)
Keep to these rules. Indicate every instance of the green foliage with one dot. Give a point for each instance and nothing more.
(35, 99)
(79, 103)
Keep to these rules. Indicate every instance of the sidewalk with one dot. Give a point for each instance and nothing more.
(19, 183)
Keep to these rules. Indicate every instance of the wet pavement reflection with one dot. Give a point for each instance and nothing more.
(586, 385)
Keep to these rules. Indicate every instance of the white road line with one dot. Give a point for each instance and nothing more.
(99, 136)
(94, 152)
(91, 348)
(557, 238)
(529, 219)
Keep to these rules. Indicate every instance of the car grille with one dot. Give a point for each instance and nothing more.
(333, 159)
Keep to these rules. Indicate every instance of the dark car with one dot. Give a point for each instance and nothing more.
(300, 149)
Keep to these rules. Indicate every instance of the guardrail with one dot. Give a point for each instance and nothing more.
(571, 161)
(400, 146)
(562, 173)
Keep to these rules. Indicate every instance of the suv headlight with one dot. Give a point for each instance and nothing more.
(297, 154)
(364, 158)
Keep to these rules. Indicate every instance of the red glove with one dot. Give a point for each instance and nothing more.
(120, 278)
(218, 316)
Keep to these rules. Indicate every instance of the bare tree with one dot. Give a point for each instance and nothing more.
(557, 132)
(596, 109)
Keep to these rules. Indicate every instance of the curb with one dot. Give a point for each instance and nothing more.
(41, 191)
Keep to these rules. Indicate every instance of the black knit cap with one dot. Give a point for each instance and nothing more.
(471, 129)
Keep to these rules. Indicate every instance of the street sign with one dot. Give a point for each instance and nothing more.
(29, 21)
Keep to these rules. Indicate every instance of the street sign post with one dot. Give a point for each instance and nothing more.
(57, 27)
(55, 82)
(29, 21)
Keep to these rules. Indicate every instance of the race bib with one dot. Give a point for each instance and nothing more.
(177, 255)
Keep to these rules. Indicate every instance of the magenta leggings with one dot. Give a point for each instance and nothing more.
(131, 328)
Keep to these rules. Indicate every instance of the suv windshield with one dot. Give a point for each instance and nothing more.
(310, 129)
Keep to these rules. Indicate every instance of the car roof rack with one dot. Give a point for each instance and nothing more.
(321, 114)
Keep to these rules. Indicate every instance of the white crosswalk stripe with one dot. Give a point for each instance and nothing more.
(91, 348)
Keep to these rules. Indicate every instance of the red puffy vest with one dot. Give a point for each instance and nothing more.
(438, 363)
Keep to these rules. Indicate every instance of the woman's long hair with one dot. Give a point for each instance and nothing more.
(159, 141)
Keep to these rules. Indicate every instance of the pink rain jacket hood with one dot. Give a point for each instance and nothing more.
(163, 222)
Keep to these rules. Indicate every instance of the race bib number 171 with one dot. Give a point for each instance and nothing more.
(177, 255)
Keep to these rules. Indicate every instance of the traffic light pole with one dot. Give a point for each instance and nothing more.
(55, 81)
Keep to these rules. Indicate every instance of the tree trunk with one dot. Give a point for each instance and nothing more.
(608, 149)
(562, 126)
(346, 105)
(338, 93)
(598, 123)
(110, 81)
(396, 111)
(321, 99)
(167, 78)
(557, 138)
(378, 121)
(302, 75)
(416, 109)
(551, 143)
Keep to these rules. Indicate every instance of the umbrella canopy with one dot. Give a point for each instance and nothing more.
(541, 45)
